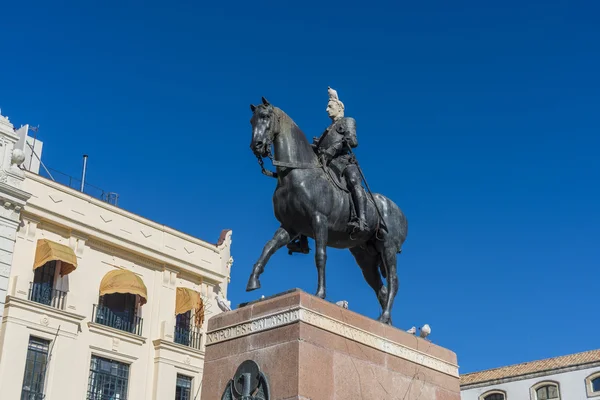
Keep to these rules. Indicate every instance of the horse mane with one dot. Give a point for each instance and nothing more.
(302, 151)
(287, 125)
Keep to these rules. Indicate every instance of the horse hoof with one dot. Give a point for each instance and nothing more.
(385, 318)
(253, 284)
(320, 294)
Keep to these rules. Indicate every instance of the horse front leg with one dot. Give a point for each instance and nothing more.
(280, 239)
(320, 229)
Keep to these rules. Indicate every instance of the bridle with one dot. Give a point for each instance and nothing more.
(270, 156)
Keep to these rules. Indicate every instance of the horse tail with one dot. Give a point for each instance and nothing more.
(394, 227)
(382, 269)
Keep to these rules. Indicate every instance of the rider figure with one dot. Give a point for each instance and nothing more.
(332, 149)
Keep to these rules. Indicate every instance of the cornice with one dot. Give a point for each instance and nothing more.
(13, 194)
(106, 240)
(118, 251)
(38, 308)
(111, 332)
(111, 208)
(160, 344)
(301, 314)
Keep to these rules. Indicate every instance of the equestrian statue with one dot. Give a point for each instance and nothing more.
(319, 194)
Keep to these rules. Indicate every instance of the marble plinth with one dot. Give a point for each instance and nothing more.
(312, 349)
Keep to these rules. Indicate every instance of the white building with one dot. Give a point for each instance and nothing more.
(99, 303)
(570, 377)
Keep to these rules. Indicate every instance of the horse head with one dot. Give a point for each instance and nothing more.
(265, 128)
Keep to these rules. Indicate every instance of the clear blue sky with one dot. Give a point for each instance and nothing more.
(481, 121)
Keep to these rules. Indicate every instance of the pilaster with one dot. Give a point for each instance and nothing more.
(12, 201)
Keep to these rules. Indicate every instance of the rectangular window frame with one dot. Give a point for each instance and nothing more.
(179, 395)
(99, 380)
(33, 388)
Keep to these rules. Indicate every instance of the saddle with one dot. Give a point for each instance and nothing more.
(335, 174)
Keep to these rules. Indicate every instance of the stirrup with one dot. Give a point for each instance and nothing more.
(296, 247)
(358, 225)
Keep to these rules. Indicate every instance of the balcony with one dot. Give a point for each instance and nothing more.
(118, 320)
(191, 337)
(44, 294)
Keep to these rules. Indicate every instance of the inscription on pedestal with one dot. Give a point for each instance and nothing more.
(257, 325)
(334, 326)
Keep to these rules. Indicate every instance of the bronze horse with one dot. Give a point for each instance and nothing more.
(306, 202)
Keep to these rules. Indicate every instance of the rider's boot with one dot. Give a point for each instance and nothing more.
(359, 196)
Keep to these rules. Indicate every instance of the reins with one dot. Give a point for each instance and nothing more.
(319, 164)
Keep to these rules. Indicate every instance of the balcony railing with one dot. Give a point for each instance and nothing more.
(191, 337)
(31, 395)
(44, 294)
(122, 321)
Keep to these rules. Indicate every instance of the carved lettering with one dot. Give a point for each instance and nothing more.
(253, 326)
(334, 326)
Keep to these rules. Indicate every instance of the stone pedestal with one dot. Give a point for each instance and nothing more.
(313, 349)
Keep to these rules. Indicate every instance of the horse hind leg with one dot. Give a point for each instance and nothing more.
(369, 265)
(388, 260)
(280, 238)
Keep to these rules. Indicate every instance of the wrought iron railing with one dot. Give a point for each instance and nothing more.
(31, 395)
(191, 337)
(118, 320)
(75, 183)
(43, 293)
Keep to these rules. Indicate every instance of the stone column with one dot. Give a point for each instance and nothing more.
(12, 200)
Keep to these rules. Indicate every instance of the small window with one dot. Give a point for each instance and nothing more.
(109, 379)
(493, 395)
(119, 310)
(183, 390)
(43, 284)
(547, 392)
(47, 286)
(35, 369)
(183, 324)
(592, 385)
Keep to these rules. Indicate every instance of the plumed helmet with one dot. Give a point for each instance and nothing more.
(333, 96)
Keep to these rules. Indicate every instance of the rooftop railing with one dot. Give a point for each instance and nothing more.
(75, 183)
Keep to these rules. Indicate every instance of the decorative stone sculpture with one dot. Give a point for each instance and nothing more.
(17, 158)
(312, 199)
(248, 383)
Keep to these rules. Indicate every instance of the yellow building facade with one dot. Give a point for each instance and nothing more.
(101, 303)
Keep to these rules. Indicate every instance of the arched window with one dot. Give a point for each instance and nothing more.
(189, 311)
(545, 391)
(53, 262)
(592, 385)
(122, 293)
(493, 395)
